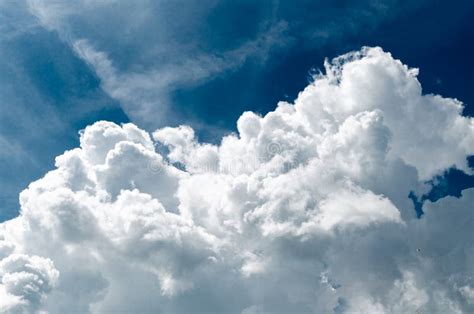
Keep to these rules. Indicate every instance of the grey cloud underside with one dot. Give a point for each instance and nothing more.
(304, 210)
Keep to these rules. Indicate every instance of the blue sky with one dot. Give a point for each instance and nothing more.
(236, 156)
(219, 59)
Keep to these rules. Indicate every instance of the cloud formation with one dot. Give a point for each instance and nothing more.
(304, 210)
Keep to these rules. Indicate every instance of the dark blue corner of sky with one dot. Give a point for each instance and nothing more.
(47, 93)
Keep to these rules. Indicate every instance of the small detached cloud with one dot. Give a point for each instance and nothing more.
(305, 209)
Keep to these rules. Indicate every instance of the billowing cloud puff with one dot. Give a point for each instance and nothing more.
(24, 280)
(304, 210)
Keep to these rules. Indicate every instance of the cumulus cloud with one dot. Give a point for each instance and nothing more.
(305, 209)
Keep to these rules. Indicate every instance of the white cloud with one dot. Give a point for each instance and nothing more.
(468, 293)
(304, 210)
(24, 279)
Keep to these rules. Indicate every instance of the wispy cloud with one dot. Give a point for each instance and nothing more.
(163, 64)
(144, 95)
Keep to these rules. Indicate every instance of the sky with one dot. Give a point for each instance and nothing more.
(248, 146)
